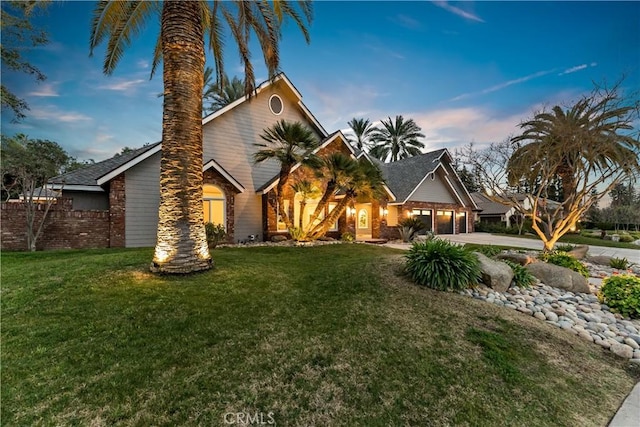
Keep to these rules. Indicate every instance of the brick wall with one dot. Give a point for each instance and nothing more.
(117, 208)
(64, 228)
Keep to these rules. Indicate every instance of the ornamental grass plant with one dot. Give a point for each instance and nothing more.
(441, 265)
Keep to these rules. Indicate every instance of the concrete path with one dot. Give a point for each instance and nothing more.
(629, 413)
(632, 255)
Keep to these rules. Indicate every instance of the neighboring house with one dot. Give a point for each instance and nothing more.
(493, 212)
(236, 192)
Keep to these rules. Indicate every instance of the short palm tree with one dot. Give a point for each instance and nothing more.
(221, 94)
(307, 191)
(363, 181)
(288, 143)
(362, 129)
(181, 240)
(396, 140)
(336, 169)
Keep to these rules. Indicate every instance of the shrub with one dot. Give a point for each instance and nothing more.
(347, 237)
(297, 233)
(626, 238)
(215, 234)
(567, 261)
(620, 263)
(565, 248)
(441, 265)
(521, 276)
(409, 227)
(622, 294)
(488, 250)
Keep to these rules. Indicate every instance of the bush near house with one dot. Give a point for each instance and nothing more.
(622, 294)
(441, 265)
(215, 234)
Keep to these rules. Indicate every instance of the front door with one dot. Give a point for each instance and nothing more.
(363, 221)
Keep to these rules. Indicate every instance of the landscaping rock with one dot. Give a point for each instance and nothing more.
(495, 274)
(600, 260)
(559, 277)
(518, 258)
(622, 350)
(579, 252)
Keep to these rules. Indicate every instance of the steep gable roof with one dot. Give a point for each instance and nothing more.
(406, 175)
(283, 81)
(93, 175)
(488, 206)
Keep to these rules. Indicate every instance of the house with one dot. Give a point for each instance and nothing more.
(236, 191)
(493, 212)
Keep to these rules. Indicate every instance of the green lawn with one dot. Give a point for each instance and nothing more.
(325, 336)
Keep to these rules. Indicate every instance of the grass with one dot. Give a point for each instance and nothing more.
(328, 335)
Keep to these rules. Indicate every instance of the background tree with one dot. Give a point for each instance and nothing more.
(362, 130)
(396, 140)
(26, 166)
(221, 94)
(287, 143)
(17, 34)
(181, 240)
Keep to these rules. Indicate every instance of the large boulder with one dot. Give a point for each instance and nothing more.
(495, 274)
(518, 258)
(559, 277)
(579, 252)
(600, 260)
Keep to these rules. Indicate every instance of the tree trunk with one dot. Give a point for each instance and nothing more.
(181, 240)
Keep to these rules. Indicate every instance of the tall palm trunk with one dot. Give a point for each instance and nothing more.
(181, 240)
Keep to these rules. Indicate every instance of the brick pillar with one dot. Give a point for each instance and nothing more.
(117, 212)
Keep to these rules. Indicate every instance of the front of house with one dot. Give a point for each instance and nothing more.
(236, 191)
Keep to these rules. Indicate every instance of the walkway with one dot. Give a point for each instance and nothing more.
(632, 255)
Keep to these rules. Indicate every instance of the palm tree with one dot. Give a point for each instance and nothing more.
(288, 143)
(307, 191)
(362, 129)
(585, 135)
(221, 94)
(336, 168)
(396, 140)
(366, 181)
(181, 240)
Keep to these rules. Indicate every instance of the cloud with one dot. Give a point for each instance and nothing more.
(45, 90)
(577, 68)
(407, 22)
(144, 64)
(502, 85)
(573, 69)
(384, 51)
(455, 127)
(52, 113)
(122, 85)
(457, 11)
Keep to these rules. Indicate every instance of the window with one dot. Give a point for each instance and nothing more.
(363, 218)
(214, 205)
(275, 105)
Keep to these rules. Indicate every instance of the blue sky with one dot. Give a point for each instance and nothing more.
(464, 71)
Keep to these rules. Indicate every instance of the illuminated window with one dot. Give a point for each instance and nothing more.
(214, 205)
(363, 218)
(281, 225)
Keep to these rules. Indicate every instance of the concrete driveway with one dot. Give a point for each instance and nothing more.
(632, 255)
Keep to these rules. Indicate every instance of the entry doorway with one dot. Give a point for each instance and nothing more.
(363, 221)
